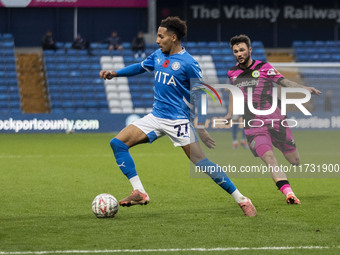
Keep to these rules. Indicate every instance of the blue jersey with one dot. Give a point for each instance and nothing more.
(172, 82)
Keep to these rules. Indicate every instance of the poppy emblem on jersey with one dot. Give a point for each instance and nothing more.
(175, 66)
(255, 74)
(166, 63)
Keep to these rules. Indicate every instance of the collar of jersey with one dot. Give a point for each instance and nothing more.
(248, 66)
(180, 53)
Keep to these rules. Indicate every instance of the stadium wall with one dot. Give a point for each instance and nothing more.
(65, 123)
(28, 25)
(276, 23)
(106, 122)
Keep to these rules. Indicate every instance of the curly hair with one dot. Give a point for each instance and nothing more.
(239, 39)
(176, 25)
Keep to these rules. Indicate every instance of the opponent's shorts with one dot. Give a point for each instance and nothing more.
(179, 131)
(262, 139)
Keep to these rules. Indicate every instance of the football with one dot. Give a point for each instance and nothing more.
(105, 206)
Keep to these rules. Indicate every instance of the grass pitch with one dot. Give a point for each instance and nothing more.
(48, 182)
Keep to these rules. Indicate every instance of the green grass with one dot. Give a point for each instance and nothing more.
(48, 182)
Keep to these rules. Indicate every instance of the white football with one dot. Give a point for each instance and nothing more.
(105, 206)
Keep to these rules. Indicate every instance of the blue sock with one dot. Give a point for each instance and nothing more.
(218, 176)
(123, 158)
(234, 129)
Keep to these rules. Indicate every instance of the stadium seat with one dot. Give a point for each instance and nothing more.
(7, 36)
(68, 45)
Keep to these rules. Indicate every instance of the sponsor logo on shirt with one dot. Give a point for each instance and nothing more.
(251, 83)
(165, 78)
(272, 72)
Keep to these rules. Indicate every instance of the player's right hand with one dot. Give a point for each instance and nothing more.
(104, 74)
(228, 117)
(206, 138)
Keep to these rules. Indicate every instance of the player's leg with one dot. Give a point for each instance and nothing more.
(195, 153)
(141, 131)
(234, 130)
(280, 177)
(269, 158)
(293, 157)
(128, 137)
(244, 142)
(282, 139)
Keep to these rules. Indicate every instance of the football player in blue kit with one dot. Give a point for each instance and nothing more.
(173, 69)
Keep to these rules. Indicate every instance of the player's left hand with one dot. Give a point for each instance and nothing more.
(314, 91)
(206, 138)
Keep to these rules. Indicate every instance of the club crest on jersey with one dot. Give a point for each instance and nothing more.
(166, 63)
(175, 66)
(255, 74)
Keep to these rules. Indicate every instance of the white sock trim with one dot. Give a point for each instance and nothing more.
(137, 184)
(238, 197)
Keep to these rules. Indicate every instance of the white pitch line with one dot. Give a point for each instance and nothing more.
(169, 250)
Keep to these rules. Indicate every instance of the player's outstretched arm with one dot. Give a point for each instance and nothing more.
(127, 71)
(105, 74)
(288, 83)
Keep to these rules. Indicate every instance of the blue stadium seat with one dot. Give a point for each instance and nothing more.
(204, 51)
(194, 51)
(102, 46)
(83, 59)
(11, 74)
(298, 44)
(190, 44)
(49, 53)
(72, 52)
(73, 66)
(68, 45)
(61, 59)
(62, 67)
(94, 59)
(60, 45)
(309, 44)
(72, 59)
(7, 36)
(126, 52)
(60, 52)
(7, 44)
(8, 52)
(129, 59)
(9, 59)
(126, 45)
(75, 74)
(138, 103)
(213, 44)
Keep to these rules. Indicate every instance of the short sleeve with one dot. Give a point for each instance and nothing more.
(195, 70)
(149, 62)
(271, 73)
